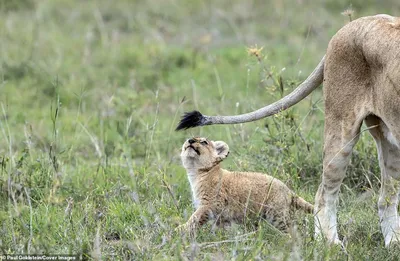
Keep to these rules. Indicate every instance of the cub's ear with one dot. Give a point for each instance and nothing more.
(221, 148)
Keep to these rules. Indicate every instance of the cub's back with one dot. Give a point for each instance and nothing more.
(258, 187)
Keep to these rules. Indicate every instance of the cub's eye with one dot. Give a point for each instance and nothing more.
(204, 142)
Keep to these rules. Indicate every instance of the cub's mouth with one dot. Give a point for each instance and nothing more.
(196, 150)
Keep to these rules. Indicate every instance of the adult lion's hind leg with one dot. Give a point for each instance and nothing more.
(340, 137)
(389, 163)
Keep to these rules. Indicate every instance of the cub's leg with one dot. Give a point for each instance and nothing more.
(389, 163)
(340, 137)
(280, 219)
(198, 218)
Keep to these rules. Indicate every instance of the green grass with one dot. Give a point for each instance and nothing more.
(91, 92)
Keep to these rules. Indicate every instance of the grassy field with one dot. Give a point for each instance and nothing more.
(91, 92)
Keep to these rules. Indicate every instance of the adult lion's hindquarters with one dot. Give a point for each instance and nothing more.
(361, 82)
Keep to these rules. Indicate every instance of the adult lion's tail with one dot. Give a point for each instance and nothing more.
(195, 118)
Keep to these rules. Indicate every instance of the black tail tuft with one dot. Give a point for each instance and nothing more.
(190, 120)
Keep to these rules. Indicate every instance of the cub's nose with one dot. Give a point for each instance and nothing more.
(191, 141)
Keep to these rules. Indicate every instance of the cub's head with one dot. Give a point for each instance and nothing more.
(201, 153)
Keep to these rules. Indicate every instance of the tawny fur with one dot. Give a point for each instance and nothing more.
(234, 196)
(361, 78)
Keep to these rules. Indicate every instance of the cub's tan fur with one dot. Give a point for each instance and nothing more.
(233, 196)
(361, 77)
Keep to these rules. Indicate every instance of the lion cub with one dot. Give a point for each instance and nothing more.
(233, 196)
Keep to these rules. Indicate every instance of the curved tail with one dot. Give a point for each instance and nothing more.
(195, 118)
(301, 204)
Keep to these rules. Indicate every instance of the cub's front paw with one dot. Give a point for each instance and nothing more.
(185, 229)
(181, 229)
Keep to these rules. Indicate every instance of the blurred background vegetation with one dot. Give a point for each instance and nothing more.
(91, 92)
